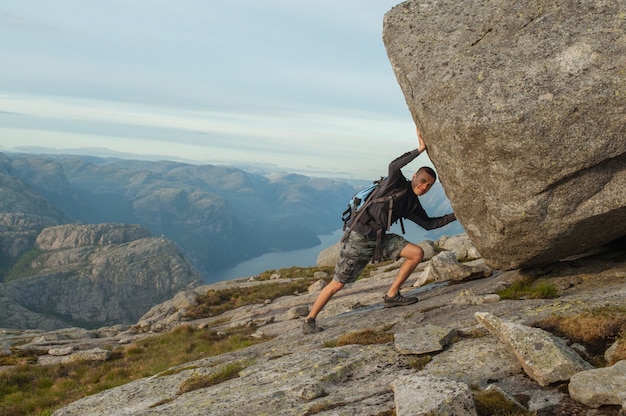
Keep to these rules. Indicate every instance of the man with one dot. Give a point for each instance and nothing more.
(359, 244)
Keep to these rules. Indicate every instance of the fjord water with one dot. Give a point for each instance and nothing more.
(271, 261)
(308, 257)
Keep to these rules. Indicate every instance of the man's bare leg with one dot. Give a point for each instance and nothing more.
(309, 326)
(324, 296)
(413, 255)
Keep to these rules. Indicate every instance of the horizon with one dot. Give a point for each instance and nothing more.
(292, 86)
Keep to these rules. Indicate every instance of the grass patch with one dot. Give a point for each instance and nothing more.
(176, 370)
(596, 328)
(162, 402)
(365, 337)
(19, 357)
(419, 362)
(216, 302)
(331, 343)
(528, 288)
(493, 403)
(373, 267)
(31, 389)
(294, 272)
(323, 407)
(226, 372)
(22, 267)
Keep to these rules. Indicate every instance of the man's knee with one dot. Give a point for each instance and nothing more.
(412, 252)
(335, 286)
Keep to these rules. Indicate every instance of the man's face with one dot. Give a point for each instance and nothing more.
(422, 182)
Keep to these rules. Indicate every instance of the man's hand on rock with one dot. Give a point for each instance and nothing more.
(422, 145)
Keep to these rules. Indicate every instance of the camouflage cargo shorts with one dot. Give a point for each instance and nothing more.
(357, 251)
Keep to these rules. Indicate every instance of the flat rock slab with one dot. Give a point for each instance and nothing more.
(545, 358)
(427, 395)
(475, 362)
(422, 340)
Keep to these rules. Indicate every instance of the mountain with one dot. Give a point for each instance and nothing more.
(91, 276)
(218, 216)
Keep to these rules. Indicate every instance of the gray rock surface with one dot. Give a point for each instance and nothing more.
(528, 99)
(545, 358)
(474, 362)
(423, 395)
(296, 374)
(94, 275)
(601, 386)
(23, 214)
(78, 235)
(445, 266)
(95, 354)
(423, 339)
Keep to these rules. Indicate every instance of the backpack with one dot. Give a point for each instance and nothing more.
(357, 202)
(363, 199)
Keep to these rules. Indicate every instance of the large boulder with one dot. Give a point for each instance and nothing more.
(523, 108)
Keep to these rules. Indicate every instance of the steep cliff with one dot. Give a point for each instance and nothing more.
(23, 214)
(91, 276)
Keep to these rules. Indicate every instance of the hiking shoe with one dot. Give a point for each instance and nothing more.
(310, 327)
(398, 300)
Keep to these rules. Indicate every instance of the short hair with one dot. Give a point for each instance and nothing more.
(428, 170)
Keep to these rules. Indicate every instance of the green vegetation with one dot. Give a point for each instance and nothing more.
(528, 288)
(493, 403)
(31, 389)
(6, 262)
(22, 267)
(365, 337)
(217, 302)
(419, 362)
(596, 328)
(227, 372)
(295, 272)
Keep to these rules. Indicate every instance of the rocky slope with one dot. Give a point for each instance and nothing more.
(476, 343)
(23, 214)
(92, 276)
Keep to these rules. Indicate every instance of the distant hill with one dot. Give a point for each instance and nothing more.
(218, 216)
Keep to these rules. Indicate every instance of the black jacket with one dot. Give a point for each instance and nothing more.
(406, 206)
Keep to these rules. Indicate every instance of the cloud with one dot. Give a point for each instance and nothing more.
(294, 83)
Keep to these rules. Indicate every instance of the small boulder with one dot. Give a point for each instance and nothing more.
(545, 358)
(601, 386)
(445, 266)
(422, 340)
(317, 286)
(298, 311)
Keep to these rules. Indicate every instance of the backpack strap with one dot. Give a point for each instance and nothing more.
(359, 214)
(370, 200)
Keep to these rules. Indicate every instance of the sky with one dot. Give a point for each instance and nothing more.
(300, 86)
